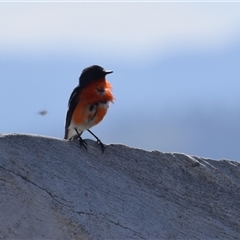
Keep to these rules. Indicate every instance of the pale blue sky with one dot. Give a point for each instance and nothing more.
(176, 71)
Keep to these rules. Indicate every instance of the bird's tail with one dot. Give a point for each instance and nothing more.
(66, 133)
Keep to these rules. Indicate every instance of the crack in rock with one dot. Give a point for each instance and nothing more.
(115, 223)
(34, 184)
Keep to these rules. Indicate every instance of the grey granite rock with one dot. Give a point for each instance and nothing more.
(53, 189)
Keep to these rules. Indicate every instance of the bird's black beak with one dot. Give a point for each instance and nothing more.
(108, 72)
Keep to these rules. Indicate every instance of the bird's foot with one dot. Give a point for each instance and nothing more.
(103, 148)
(82, 143)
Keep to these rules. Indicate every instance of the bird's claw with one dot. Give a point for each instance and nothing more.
(83, 143)
(103, 148)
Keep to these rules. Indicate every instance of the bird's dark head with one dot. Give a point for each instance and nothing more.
(91, 74)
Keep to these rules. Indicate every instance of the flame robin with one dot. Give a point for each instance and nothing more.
(88, 104)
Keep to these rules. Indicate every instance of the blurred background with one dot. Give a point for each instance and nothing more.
(176, 70)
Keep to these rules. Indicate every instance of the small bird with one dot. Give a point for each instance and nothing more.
(88, 104)
(42, 112)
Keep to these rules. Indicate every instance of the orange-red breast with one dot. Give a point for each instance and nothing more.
(88, 104)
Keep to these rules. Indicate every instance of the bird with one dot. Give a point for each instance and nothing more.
(42, 112)
(88, 104)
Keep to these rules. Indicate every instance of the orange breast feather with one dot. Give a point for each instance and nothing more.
(96, 92)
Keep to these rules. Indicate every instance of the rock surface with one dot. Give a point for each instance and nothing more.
(52, 189)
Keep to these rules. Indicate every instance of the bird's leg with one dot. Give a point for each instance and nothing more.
(98, 141)
(81, 141)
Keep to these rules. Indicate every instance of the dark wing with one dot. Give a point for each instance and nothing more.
(72, 103)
